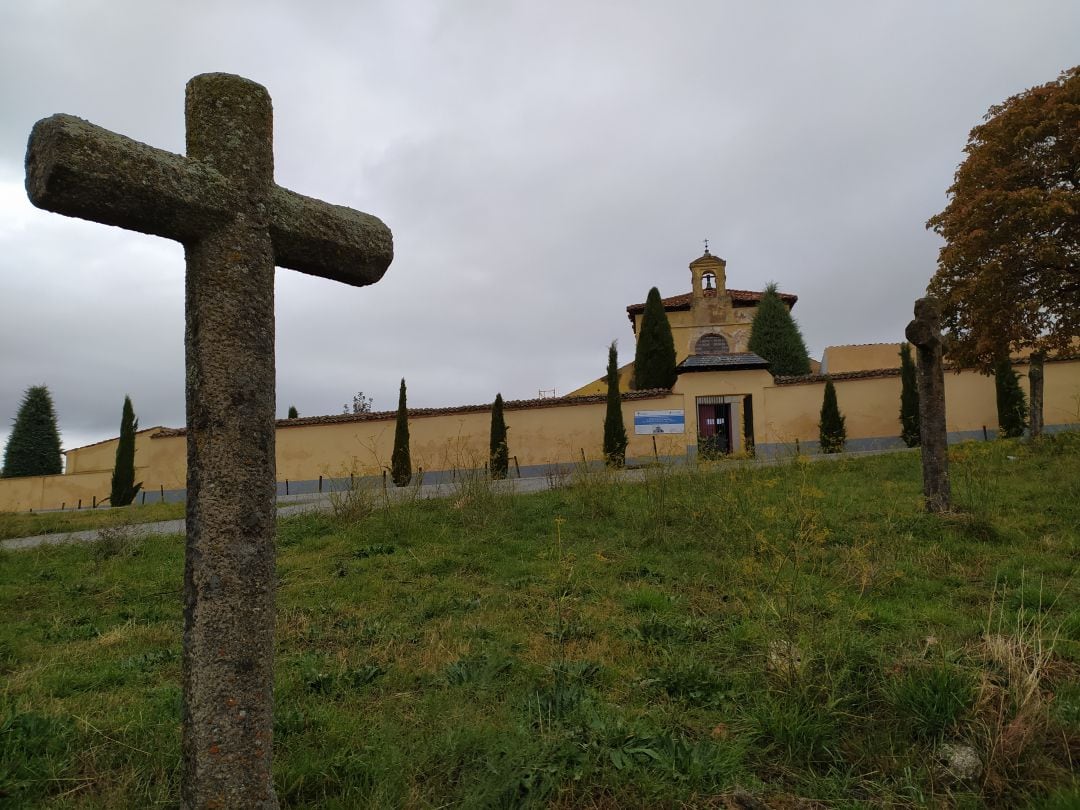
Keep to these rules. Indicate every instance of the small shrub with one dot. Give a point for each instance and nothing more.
(352, 504)
(910, 431)
(116, 541)
(374, 550)
(484, 669)
(124, 489)
(794, 726)
(1012, 407)
(931, 698)
(691, 681)
(832, 433)
(35, 754)
(615, 439)
(400, 460)
(499, 452)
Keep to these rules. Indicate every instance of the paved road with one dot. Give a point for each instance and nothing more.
(287, 505)
(294, 504)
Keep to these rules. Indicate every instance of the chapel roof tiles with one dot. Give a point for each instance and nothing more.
(733, 361)
(677, 303)
(867, 374)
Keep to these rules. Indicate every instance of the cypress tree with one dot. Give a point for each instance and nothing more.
(775, 336)
(1011, 403)
(615, 440)
(33, 448)
(909, 399)
(831, 431)
(499, 460)
(654, 358)
(293, 413)
(400, 463)
(124, 489)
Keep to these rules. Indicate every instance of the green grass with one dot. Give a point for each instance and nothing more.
(30, 524)
(803, 631)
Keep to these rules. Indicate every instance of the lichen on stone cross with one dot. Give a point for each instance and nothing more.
(925, 334)
(236, 224)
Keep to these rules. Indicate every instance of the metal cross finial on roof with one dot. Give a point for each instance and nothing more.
(706, 247)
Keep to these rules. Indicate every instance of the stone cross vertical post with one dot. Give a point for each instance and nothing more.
(221, 202)
(925, 334)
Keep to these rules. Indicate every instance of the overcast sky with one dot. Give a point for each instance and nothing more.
(541, 165)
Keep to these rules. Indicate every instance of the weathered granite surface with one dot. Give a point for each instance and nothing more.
(925, 334)
(221, 202)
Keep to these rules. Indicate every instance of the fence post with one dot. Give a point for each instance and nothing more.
(320, 483)
(656, 455)
(516, 467)
(80, 504)
(162, 493)
(94, 506)
(985, 437)
(286, 486)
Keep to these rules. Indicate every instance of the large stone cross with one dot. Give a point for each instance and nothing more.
(925, 333)
(221, 202)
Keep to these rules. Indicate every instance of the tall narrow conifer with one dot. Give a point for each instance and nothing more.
(831, 431)
(654, 358)
(33, 448)
(775, 336)
(615, 440)
(400, 461)
(500, 454)
(909, 399)
(1011, 403)
(124, 489)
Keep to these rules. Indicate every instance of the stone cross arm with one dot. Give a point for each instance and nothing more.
(83, 170)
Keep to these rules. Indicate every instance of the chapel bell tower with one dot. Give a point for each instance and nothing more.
(708, 273)
(709, 302)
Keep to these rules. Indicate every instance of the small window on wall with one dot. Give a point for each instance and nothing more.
(712, 344)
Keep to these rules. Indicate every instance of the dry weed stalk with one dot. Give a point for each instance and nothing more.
(1013, 701)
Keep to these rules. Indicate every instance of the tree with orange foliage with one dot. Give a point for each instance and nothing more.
(1008, 276)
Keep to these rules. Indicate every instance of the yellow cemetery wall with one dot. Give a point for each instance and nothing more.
(53, 491)
(871, 408)
(102, 456)
(1061, 386)
(557, 434)
(536, 436)
(860, 357)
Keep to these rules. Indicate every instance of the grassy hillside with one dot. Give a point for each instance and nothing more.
(30, 524)
(797, 633)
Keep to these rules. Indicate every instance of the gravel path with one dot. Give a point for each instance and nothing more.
(287, 505)
(294, 504)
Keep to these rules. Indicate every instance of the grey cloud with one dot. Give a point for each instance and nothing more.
(541, 165)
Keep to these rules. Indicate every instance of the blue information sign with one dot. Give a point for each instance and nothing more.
(646, 422)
